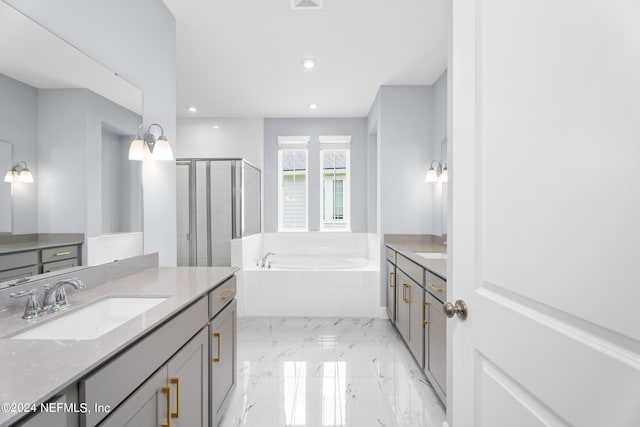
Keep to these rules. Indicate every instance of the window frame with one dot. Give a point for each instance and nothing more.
(336, 143)
(292, 144)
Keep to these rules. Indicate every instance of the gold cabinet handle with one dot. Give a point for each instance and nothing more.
(176, 381)
(63, 253)
(424, 314)
(434, 287)
(404, 293)
(391, 284)
(229, 293)
(167, 391)
(217, 335)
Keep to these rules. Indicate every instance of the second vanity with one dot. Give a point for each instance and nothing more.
(174, 364)
(416, 290)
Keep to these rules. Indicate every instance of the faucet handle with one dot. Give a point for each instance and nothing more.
(23, 293)
(33, 306)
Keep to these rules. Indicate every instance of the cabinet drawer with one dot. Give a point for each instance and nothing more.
(391, 255)
(57, 254)
(220, 296)
(18, 273)
(435, 285)
(59, 265)
(413, 270)
(17, 260)
(118, 378)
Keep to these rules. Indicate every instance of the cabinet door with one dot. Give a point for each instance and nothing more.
(189, 383)
(59, 416)
(146, 407)
(223, 356)
(403, 306)
(391, 292)
(436, 342)
(415, 295)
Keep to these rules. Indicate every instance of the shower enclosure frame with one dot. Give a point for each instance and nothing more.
(237, 201)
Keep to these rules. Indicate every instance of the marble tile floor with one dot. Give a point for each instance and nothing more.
(328, 372)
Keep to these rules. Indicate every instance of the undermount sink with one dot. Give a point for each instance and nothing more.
(431, 255)
(92, 321)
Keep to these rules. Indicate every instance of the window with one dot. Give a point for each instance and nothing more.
(334, 183)
(292, 184)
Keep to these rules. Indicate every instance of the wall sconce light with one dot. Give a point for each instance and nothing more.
(19, 173)
(147, 145)
(440, 173)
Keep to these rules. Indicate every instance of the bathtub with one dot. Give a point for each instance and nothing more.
(316, 262)
(312, 274)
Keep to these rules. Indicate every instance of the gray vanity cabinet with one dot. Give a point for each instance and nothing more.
(178, 390)
(56, 418)
(391, 292)
(223, 353)
(409, 320)
(435, 339)
(403, 307)
(147, 406)
(189, 380)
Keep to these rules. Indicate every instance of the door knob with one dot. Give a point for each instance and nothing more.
(460, 308)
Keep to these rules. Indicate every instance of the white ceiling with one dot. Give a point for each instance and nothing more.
(242, 58)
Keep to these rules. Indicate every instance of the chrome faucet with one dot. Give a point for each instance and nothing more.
(55, 297)
(33, 307)
(264, 259)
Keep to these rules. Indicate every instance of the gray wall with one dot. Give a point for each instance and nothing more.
(313, 128)
(121, 190)
(111, 33)
(405, 151)
(104, 114)
(406, 124)
(70, 131)
(438, 134)
(18, 124)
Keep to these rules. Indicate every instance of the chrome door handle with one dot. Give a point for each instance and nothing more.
(460, 308)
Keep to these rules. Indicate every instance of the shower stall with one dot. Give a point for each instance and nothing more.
(217, 200)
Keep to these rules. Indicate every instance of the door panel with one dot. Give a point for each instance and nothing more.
(189, 382)
(223, 354)
(545, 235)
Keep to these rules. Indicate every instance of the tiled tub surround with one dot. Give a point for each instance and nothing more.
(35, 370)
(328, 371)
(350, 290)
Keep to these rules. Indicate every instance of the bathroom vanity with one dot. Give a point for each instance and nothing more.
(26, 255)
(173, 364)
(416, 291)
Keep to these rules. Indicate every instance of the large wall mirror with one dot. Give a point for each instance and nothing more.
(71, 121)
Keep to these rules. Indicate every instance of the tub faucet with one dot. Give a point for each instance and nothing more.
(55, 296)
(264, 259)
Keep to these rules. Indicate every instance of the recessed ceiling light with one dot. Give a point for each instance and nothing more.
(192, 109)
(313, 106)
(308, 63)
(216, 126)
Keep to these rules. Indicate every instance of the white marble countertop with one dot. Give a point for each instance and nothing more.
(33, 371)
(408, 245)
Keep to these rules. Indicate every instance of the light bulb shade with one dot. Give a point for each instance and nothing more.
(444, 176)
(432, 176)
(8, 177)
(162, 149)
(25, 176)
(136, 149)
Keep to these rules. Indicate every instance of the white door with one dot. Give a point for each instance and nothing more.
(545, 213)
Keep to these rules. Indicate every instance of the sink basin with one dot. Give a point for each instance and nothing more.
(431, 255)
(92, 321)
